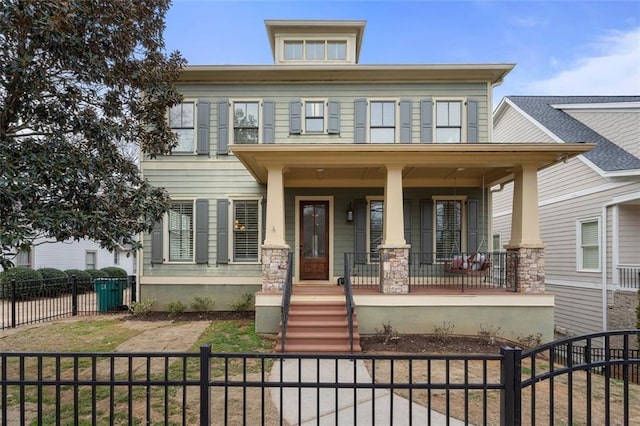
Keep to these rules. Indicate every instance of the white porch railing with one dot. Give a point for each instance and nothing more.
(629, 276)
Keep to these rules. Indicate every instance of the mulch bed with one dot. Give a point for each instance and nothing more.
(194, 316)
(419, 343)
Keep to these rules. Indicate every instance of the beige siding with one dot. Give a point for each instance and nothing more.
(514, 127)
(567, 178)
(622, 128)
(502, 200)
(578, 310)
(629, 231)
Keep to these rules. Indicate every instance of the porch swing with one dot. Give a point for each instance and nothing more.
(477, 264)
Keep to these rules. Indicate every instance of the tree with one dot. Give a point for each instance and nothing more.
(80, 79)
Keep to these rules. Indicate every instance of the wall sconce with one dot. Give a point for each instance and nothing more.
(349, 213)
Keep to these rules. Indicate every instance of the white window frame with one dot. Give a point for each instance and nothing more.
(493, 237)
(165, 240)
(348, 40)
(232, 200)
(579, 245)
(195, 127)
(116, 257)
(463, 118)
(396, 106)
(94, 253)
(232, 102)
(370, 249)
(325, 107)
(28, 255)
(463, 222)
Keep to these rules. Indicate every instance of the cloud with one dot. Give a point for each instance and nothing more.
(611, 68)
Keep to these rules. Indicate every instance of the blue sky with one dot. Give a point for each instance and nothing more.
(559, 47)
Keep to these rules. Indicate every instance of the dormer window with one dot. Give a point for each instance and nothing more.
(315, 50)
(336, 50)
(293, 50)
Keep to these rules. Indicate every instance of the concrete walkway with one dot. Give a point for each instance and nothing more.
(344, 406)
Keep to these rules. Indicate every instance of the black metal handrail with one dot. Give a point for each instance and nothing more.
(286, 299)
(348, 295)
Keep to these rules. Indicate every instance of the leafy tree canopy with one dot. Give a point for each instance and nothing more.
(79, 80)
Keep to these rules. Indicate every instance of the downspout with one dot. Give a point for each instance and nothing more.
(603, 261)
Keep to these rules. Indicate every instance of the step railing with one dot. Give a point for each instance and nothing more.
(348, 295)
(286, 300)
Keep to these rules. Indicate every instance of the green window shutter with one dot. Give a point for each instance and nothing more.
(264, 220)
(360, 121)
(333, 126)
(223, 127)
(405, 121)
(407, 221)
(222, 231)
(472, 226)
(426, 120)
(295, 117)
(268, 122)
(360, 227)
(157, 246)
(426, 231)
(202, 231)
(472, 121)
(202, 143)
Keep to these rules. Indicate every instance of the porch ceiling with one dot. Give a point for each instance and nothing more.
(363, 165)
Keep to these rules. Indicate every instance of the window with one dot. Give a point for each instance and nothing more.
(245, 122)
(180, 224)
(246, 230)
(376, 214)
(182, 122)
(90, 259)
(23, 258)
(448, 228)
(497, 246)
(116, 257)
(336, 50)
(382, 125)
(589, 245)
(293, 50)
(314, 116)
(315, 50)
(449, 121)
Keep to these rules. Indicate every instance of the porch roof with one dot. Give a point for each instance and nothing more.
(363, 165)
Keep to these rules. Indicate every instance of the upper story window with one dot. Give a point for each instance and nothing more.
(588, 245)
(246, 122)
(182, 122)
(315, 50)
(382, 122)
(336, 50)
(314, 116)
(449, 121)
(293, 50)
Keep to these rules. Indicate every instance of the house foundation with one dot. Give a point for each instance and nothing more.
(274, 267)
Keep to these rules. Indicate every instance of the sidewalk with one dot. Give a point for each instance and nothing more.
(342, 406)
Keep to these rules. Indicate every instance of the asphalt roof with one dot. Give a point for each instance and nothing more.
(606, 155)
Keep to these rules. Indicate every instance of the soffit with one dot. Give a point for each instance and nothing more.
(463, 165)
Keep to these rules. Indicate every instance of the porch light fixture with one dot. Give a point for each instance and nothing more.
(349, 213)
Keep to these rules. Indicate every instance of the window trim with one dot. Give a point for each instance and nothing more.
(95, 258)
(232, 199)
(231, 118)
(463, 222)
(396, 114)
(463, 118)
(165, 230)
(195, 128)
(320, 38)
(325, 112)
(579, 246)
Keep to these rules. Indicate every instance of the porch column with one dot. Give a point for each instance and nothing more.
(525, 249)
(275, 251)
(394, 250)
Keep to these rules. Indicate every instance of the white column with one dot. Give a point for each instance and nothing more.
(393, 227)
(275, 207)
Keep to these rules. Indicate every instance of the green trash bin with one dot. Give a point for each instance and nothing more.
(109, 293)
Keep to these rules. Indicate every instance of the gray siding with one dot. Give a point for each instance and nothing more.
(621, 128)
(629, 229)
(514, 127)
(578, 310)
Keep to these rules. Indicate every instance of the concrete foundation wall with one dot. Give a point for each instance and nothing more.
(223, 295)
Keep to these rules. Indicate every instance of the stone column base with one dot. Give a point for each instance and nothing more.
(274, 267)
(525, 266)
(394, 269)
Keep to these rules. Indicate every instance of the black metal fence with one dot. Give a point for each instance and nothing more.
(31, 301)
(458, 272)
(510, 388)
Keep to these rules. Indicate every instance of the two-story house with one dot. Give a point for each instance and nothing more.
(377, 174)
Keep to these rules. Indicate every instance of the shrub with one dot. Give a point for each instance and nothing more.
(140, 309)
(387, 332)
(244, 303)
(97, 273)
(443, 332)
(202, 304)
(55, 281)
(85, 281)
(490, 333)
(176, 308)
(28, 282)
(115, 272)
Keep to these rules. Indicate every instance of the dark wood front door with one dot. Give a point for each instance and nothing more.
(314, 240)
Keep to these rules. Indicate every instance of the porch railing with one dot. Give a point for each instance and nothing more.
(459, 272)
(286, 299)
(629, 276)
(348, 295)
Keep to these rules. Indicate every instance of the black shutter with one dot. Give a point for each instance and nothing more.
(360, 227)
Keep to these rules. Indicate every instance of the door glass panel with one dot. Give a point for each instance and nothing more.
(314, 229)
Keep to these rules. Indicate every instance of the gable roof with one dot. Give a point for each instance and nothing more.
(606, 155)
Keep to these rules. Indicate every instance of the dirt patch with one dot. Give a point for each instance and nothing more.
(192, 316)
(420, 343)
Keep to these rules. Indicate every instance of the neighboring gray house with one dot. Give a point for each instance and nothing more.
(382, 171)
(589, 206)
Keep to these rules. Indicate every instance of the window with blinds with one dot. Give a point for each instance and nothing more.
(589, 245)
(448, 228)
(246, 231)
(181, 231)
(376, 212)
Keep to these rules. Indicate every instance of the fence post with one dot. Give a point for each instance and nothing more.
(13, 303)
(511, 376)
(74, 295)
(205, 378)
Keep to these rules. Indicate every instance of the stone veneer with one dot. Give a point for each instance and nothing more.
(622, 316)
(530, 268)
(394, 273)
(274, 267)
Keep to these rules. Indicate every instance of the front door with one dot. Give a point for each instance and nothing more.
(314, 240)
